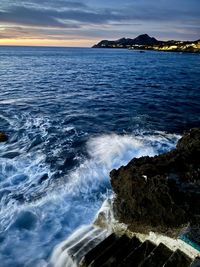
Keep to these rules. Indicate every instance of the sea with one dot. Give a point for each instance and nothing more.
(72, 115)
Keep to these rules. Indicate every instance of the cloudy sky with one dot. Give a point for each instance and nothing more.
(85, 22)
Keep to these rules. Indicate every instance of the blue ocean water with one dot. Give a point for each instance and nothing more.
(72, 115)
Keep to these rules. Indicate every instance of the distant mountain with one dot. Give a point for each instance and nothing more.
(145, 42)
(143, 39)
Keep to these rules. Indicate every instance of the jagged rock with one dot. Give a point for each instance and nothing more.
(3, 137)
(161, 192)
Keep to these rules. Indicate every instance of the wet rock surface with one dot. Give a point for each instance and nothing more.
(162, 192)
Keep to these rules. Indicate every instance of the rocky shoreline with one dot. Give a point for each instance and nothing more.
(161, 193)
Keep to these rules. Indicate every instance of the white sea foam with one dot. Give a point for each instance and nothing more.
(115, 150)
(15, 100)
(106, 153)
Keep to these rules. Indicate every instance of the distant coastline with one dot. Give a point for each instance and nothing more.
(145, 42)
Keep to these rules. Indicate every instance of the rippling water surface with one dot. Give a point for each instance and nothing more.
(73, 115)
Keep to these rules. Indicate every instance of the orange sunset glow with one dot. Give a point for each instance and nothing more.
(47, 42)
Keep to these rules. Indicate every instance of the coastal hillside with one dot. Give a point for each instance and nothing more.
(145, 42)
(143, 39)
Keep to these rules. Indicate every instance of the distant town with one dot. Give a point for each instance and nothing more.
(145, 42)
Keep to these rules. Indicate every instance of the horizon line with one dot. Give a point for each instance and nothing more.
(55, 46)
(90, 43)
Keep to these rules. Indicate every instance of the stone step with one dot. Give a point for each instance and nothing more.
(92, 242)
(69, 252)
(196, 262)
(73, 249)
(96, 251)
(122, 252)
(61, 250)
(76, 237)
(138, 255)
(157, 257)
(91, 246)
(109, 251)
(178, 259)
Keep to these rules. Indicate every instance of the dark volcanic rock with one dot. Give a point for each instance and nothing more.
(3, 137)
(160, 192)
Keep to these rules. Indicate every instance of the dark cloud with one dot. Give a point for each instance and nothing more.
(24, 16)
(55, 18)
(43, 3)
(35, 17)
(93, 18)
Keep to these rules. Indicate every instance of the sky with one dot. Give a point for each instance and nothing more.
(86, 22)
